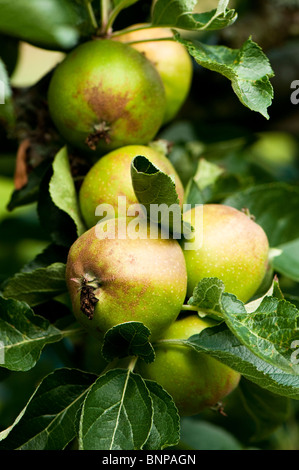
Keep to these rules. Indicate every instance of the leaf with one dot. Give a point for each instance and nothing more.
(178, 13)
(207, 296)
(29, 193)
(206, 175)
(286, 260)
(266, 410)
(50, 24)
(59, 225)
(23, 335)
(128, 339)
(50, 255)
(220, 343)
(165, 431)
(9, 52)
(268, 332)
(247, 68)
(203, 435)
(268, 326)
(117, 413)
(48, 421)
(274, 207)
(36, 286)
(62, 189)
(156, 192)
(118, 6)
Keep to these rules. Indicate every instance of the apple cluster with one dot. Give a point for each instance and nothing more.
(109, 98)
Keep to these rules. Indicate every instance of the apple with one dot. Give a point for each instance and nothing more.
(104, 95)
(232, 247)
(171, 60)
(110, 177)
(195, 380)
(114, 279)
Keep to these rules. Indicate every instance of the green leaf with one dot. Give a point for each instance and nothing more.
(36, 286)
(220, 343)
(268, 332)
(117, 413)
(203, 435)
(267, 326)
(58, 224)
(50, 255)
(128, 339)
(119, 5)
(206, 175)
(23, 335)
(156, 192)
(50, 24)
(48, 421)
(179, 14)
(247, 68)
(114, 9)
(29, 193)
(274, 207)
(286, 259)
(165, 431)
(207, 295)
(266, 410)
(62, 189)
(9, 52)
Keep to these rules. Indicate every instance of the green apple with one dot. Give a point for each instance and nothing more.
(231, 247)
(194, 380)
(110, 177)
(171, 60)
(115, 276)
(104, 95)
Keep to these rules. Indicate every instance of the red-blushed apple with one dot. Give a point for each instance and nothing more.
(110, 177)
(195, 380)
(232, 247)
(113, 278)
(171, 60)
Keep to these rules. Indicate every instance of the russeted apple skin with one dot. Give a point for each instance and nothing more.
(110, 177)
(195, 380)
(106, 83)
(234, 249)
(171, 60)
(142, 280)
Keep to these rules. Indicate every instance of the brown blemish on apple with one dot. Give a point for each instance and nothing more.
(106, 105)
(109, 108)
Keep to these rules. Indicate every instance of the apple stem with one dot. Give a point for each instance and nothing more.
(179, 342)
(105, 11)
(91, 14)
(193, 308)
(140, 28)
(150, 40)
(189, 307)
(132, 363)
